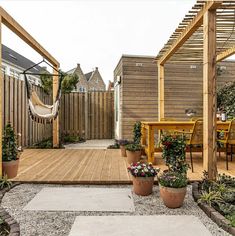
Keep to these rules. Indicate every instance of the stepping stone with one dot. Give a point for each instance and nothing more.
(82, 199)
(138, 226)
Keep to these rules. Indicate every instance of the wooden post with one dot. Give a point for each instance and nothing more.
(1, 91)
(86, 115)
(161, 111)
(56, 137)
(209, 94)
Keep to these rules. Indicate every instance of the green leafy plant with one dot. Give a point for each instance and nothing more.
(226, 98)
(72, 139)
(172, 179)
(142, 170)
(68, 84)
(137, 132)
(10, 148)
(210, 198)
(44, 144)
(174, 153)
(226, 179)
(115, 145)
(5, 183)
(231, 218)
(133, 147)
(4, 228)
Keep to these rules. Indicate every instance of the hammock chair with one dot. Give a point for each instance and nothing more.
(39, 111)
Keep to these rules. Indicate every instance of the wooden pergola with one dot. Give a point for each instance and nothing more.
(15, 27)
(206, 35)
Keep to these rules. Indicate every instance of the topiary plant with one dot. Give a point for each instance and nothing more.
(137, 132)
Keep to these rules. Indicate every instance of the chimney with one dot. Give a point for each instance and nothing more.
(96, 68)
(78, 64)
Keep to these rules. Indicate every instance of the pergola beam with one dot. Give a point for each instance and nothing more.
(15, 27)
(225, 54)
(189, 30)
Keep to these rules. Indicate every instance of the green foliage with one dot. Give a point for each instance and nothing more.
(44, 144)
(137, 132)
(133, 147)
(211, 198)
(227, 180)
(66, 138)
(4, 228)
(115, 145)
(68, 84)
(231, 218)
(9, 144)
(226, 98)
(174, 153)
(173, 179)
(5, 183)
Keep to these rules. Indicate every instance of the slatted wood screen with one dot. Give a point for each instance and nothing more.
(89, 115)
(15, 111)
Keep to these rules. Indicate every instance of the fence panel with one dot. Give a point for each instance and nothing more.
(89, 115)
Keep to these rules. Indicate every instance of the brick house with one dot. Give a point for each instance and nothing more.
(91, 81)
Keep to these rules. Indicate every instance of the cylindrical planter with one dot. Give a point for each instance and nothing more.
(10, 168)
(172, 197)
(143, 186)
(133, 157)
(123, 150)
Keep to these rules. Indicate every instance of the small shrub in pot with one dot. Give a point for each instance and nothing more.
(133, 152)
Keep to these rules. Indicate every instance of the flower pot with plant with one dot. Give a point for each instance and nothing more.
(10, 152)
(143, 177)
(173, 187)
(173, 182)
(133, 152)
(122, 143)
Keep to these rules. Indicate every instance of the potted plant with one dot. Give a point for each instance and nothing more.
(173, 182)
(133, 152)
(122, 143)
(173, 187)
(143, 177)
(10, 152)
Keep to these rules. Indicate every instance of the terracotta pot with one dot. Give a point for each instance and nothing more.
(133, 157)
(123, 150)
(143, 186)
(172, 197)
(10, 168)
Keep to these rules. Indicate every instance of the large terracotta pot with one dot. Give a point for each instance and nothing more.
(10, 168)
(123, 150)
(133, 157)
(143, 186)
(172, 197)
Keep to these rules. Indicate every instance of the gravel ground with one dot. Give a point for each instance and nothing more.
(59, 223)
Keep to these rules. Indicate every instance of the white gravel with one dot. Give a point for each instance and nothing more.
(59, 223)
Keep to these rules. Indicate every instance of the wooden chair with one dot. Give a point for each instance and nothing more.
(194, 137)
(228, 139)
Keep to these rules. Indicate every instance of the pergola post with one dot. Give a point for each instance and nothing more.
(209, 93)
(56, 121)
(161, 109)
(1, 94)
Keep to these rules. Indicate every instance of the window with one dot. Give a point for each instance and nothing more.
(3, 70)
(14, 74)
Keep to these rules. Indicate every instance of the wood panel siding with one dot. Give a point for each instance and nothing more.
(183, 89)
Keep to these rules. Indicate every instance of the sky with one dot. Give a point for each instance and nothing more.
(94, 33)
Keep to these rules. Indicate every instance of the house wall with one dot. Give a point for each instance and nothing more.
(96, 82)
(82, 85)
(139, 90)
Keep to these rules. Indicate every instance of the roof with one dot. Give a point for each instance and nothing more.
(71, 71)
(186, 42)
(88, 75)
(18, 60)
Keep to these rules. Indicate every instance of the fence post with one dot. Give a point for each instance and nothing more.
(86, 116)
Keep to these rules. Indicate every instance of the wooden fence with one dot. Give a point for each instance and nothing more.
(15, 111)
(89, 115)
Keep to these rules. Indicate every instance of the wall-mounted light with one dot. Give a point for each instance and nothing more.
(118, 79)
(193, 66)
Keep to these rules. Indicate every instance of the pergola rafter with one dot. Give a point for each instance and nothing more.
(206, 35)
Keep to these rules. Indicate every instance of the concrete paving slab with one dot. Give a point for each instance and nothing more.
(82, 199)
(138, 226)
(91, 144)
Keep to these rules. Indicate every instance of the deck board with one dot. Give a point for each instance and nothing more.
(93, 166)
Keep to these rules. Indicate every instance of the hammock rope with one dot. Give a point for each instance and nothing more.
(39, 111)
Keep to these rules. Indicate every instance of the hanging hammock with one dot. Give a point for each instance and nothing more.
(39, 111)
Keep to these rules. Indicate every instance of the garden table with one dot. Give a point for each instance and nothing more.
(148, 129)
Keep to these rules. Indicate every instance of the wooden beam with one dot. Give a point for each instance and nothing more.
(15, 27)
(189, 30)
(1, 92)
(225, 54)
(161, 109)
(209, 94)
(56, 135)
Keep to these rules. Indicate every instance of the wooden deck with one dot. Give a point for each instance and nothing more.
(70, 166)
